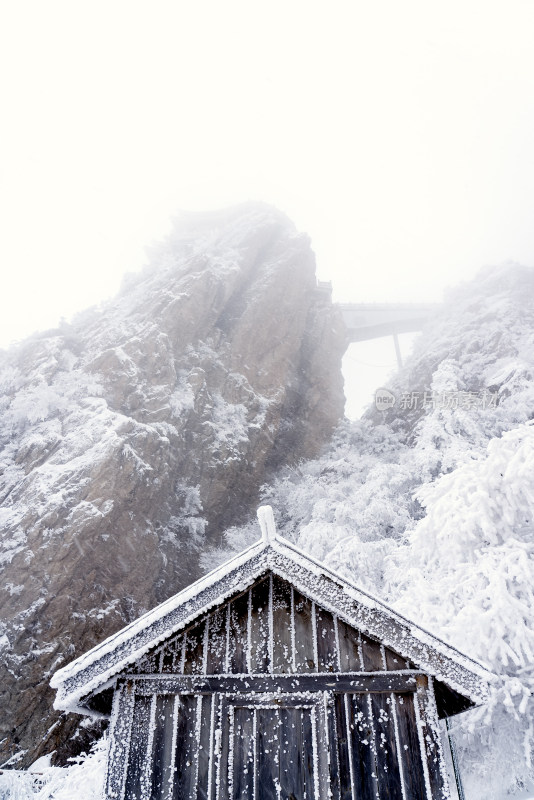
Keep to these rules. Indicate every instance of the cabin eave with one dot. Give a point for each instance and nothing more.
(89, 675)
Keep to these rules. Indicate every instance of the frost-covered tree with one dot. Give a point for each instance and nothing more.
(431, 505)
(468, 566)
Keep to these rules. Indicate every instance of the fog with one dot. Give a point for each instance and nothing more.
(398, 136)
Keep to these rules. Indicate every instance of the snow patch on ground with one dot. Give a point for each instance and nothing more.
(82, 780)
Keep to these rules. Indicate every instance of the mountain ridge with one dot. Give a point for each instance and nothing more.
(131, 438)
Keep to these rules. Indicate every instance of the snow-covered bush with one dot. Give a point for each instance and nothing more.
(82, 780)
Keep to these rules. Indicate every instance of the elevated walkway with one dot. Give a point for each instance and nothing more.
(365, 321)
(371, 320)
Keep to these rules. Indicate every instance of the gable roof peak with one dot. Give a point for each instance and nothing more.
(93, 671)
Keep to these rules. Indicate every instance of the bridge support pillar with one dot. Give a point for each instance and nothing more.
(397, 350)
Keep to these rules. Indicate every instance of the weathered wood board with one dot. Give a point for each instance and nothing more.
(272, 697)
(271, 628)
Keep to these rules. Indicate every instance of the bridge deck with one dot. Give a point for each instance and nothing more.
(366, 321)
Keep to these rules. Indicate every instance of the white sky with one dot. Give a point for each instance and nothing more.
(399, 135)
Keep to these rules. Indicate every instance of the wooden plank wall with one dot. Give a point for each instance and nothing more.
(344, 746)
(329, 741)
(272, 629)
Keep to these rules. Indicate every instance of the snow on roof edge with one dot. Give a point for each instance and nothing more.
(69, 699)
(476, 677)
(156, 613)
(361, 596)
(67, 695)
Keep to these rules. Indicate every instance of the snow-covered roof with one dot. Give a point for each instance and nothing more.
(97, 669)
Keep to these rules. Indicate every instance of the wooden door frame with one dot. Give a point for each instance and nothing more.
(247, 688)
(313, 701)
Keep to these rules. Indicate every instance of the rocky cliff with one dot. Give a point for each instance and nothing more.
(133, 437)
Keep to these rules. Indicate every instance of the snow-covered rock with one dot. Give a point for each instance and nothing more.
(131, 438)
(430, 505)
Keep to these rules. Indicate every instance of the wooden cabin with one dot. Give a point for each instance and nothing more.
(273, 678)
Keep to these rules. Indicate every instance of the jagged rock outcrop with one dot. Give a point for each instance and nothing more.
(131, 438)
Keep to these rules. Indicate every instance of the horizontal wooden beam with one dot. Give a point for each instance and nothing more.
(356, 682)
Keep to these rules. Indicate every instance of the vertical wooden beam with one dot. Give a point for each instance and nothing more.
(212, 760)
(271, 624)
(249, 631)
(338, 651)
(204, 746)
(360, 651)
(415, 772)
(383, 655)
(320, 771)
(162, 754)
(227, 659)
(255, 753)
(293, 643)
(268, 752)
(137, 748)
(222, 749)
(346, 779)
(205, 647)
(175, 712)
(181, 663)
(389, 775)
(147, 772)
(430, 740)
(398, 746)
(186, 749)
(314, 639)
(361, 736)
(331, 745)
(120, 732)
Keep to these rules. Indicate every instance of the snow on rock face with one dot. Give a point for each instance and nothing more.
(432, 507)
(130, 438)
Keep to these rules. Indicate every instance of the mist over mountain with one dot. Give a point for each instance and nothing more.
(137, 442)
(430, 505)
(132, 438)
